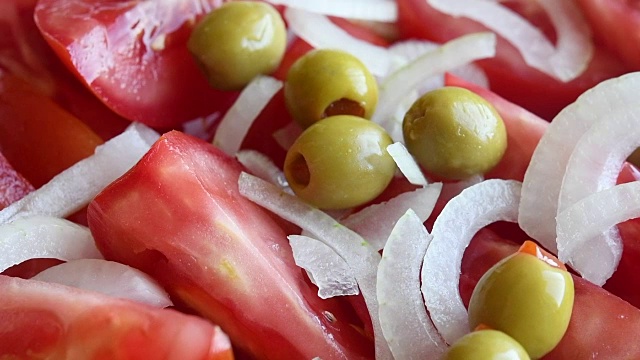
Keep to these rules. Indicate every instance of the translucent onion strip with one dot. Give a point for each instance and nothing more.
(403, 318)
(375, 222)
(40, 237)
(581, 226)
(474, 208)
(109, 278)
(361, 257)
(543, 179)
(76, 186)
(407, 164)
(374, 10)
(320, 32)
(325, 268)
(263, 167)
(449, 56)
(236, 122)
(565, 61)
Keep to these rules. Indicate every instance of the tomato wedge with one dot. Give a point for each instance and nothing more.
(132, 55)
(13, 186)
(178, 215)
(50, 321)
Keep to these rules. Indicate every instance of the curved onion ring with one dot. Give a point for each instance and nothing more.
(407, 164)
(48, 237)
(565, 61)
(403, 318)
(109, 278)
(381, 10)
(475, 207)
(361, 257)
(74, 188)
(543, 179)
(236, 122)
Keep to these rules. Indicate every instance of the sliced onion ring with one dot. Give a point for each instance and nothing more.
(109, 278)
(76, 186)
(407, 164)
(474, 208)
(320, 32)
(565, 61)
(374, 10)
(263, 167)
(543, 179)
(403, 318)
(236, 122)
(44, 237)
(361, 257)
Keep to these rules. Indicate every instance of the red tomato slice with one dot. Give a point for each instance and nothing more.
(616, 24)
(178, 215)
(132, 55)
(509, 76)
(42, 320)
(13, 186)
(38, 137)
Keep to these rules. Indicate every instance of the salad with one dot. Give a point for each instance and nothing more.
(289, 179)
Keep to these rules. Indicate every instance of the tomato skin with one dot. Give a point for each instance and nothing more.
(38, 137)
(178, 216)
(42, 320)
(118, 51)
(508, 75)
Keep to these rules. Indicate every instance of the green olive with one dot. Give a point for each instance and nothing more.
(340, 162)
(238, 41)
(527, 299)
(454, 133)
(324, 83)
(486, 345)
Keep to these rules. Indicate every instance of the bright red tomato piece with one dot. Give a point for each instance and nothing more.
(48, 321)
(178, 215)
(508, 74)
(132, 55)
(13, 186)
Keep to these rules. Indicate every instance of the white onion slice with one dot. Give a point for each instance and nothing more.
(449, 56)
(201, 127)
(475, 207)
(581, 226)
(287, 135)
(76, 186)
(403, 318)
(375, 222)
(565, 61)
(320, 32)
(373, 10)
(43, 237)
(543, 179)
(325, 267)
(361, 257)
(109, 278)
(236, 122)
(263, 167)
(407, 164)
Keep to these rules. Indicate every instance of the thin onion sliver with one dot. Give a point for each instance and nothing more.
(543, 179)
(44, 237)
(361, 257)
(565, 61)
(581, 226)
(403, 318)
(320, 32)
(75, 187)
(236, 122)
(407, 164)
(263, 167)
(474, 208)
(109, 278)
(403, 81)
(386, 11)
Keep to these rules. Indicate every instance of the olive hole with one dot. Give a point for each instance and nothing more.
(300, 171)
(343, 107)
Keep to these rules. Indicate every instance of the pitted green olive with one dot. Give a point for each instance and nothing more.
(325, 83)
(238, 41)
(340, 162)
(454, 133)
(486, 345)
(527, 299)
